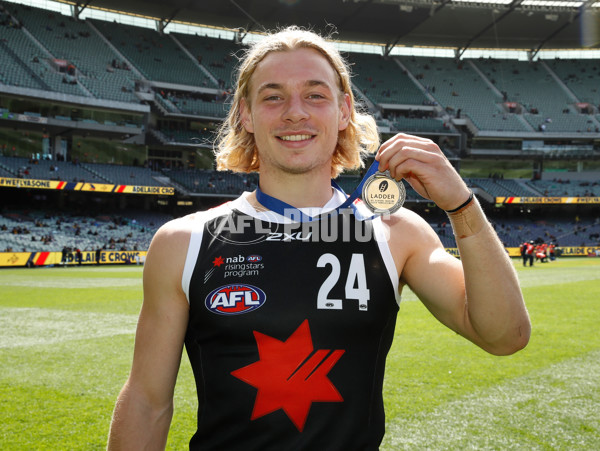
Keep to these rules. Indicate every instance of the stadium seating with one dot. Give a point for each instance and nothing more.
(109, 57)
(48, 170)
(213, 182)
(36, 231)
(20, 60)
(153, 54)
(18, 167)
(565, 232)
(217, 182)
(123, 175)
(165, 102)
(5, 172)
(217, 56)
(58, 37)
(194, 105)
(529, 84)
(566, 188)
(501, 187)
(382, 80)
(459, 86)
(187, 136)
(431, 125)
(580, 76)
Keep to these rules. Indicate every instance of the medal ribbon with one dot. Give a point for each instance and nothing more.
(288, 211)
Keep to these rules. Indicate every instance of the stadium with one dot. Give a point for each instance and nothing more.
(108, 115)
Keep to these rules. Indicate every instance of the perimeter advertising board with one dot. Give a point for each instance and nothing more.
(82, 186)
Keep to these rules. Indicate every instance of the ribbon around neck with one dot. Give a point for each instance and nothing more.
(291, 212)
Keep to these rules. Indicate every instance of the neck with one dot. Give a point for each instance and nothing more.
(298, 190)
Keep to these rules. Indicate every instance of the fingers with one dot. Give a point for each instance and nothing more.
(403, 139)
(402, 147)
(407, 161)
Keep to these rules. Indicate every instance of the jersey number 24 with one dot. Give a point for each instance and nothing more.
(355, 286)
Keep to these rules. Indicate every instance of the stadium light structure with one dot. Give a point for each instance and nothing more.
(539, 5)
(417, 16)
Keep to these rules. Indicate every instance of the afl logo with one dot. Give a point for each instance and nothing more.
(235, 299)
(253, 258)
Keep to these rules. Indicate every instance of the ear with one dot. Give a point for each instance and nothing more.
(345, 108)
(245, 116)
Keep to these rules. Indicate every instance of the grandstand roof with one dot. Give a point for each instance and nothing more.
(461, 24)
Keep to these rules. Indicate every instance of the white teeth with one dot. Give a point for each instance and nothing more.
(295, 137)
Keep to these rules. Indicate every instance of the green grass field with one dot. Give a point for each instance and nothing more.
(66, 341)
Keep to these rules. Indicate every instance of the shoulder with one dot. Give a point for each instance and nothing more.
(168, 250)
(409, 236)
(178, 231)
(409, 228)
(171, 241)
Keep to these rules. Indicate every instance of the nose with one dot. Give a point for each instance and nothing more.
(295, 110)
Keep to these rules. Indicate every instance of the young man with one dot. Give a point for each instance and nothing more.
(285, 302)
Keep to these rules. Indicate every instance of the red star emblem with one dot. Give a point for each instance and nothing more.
(218, 261)
(290, 376)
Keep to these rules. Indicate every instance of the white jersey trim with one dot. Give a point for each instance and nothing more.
(196, 241)
(382, 237)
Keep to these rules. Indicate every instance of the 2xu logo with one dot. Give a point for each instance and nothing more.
(235, 299)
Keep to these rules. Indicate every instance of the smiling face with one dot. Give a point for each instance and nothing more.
(295, 110)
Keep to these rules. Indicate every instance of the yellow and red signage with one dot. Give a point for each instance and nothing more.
(83, 186)
(548, 200)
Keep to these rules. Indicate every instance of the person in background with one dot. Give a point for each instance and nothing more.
(552, 251)
(529, 253)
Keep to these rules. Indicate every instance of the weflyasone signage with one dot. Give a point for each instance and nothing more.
(83, 186)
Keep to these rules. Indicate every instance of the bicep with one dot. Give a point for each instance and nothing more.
(435, 276)
(437, 279)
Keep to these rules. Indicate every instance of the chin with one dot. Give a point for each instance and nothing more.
(297, 169)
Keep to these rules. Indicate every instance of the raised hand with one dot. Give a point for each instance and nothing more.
(422, 164)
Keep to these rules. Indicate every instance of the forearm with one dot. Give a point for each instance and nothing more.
(494, 309)
(136, 425)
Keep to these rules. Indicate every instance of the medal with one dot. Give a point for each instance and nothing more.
(382, 193)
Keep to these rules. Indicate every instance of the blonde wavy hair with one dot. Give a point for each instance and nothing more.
(236, 148)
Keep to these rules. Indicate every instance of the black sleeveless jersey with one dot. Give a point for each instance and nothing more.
(289, 328)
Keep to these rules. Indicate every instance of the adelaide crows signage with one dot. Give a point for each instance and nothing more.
(82, 186)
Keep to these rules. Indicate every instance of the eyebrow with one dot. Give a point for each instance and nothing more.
(308, 83)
